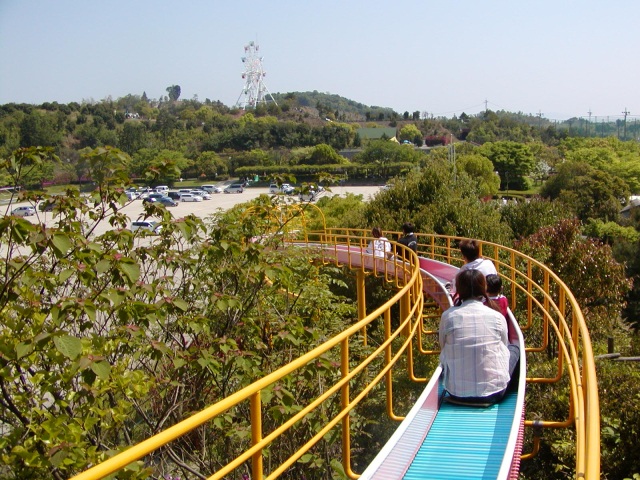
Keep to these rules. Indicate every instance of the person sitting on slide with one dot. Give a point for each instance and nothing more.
(408, 239)
(477, 356)
(379, 246)
(470, 250)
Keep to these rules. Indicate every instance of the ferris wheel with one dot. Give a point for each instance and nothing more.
(255, 91)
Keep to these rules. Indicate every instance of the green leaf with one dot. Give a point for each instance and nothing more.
(131, 270)
(181, 304)
(65, 274)
(69, 346)
(23, 349)
(61, 243)
(101, 369)
(102, 266)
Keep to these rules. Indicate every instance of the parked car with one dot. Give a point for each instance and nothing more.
(287, 189)
(202, 193)
(131, 194)
(162, 189)
(308, 196)
(146, 226)
(234, 188)
(166, 201)
(190, 197)
(24, 211)
(46, 205)
(284, 188)
(211, 188)
(174, 195)
(152, 197)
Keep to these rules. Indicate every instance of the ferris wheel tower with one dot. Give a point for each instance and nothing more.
(254, 91)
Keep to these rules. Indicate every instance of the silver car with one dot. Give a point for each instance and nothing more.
(23, 211)
(146, 226)
(190, 197)
(202, 193)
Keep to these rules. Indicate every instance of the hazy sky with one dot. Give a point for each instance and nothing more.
(560, 58)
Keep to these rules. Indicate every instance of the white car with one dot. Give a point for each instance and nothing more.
(308, 196)
(202, 193)
(234, 188)
(23, 211)
(190, 197)
(146, 225)
(284, 188)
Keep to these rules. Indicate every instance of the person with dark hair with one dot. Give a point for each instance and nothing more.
(470, 250)
(409, 239)
(476, 356)
(494, 292)
(379, 246)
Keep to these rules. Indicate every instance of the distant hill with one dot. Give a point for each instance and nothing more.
(334, 106)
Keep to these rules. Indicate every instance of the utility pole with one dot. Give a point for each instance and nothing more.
(589, 124)
(624, 125)
(486, 108)
(539, 120)
(452, 158)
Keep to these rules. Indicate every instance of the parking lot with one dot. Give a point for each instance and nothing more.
(220, 201)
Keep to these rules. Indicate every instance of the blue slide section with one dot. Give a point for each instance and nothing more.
(465, 442)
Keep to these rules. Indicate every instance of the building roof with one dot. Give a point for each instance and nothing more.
(366, 133)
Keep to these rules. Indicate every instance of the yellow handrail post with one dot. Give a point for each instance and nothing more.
(387, 360)
(362, 301)
(256, 435)
(405, 311)
(344, 405)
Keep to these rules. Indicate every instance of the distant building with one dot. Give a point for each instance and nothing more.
(634, 202)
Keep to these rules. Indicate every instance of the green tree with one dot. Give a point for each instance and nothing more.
(588, 192)
(210, 165)
(105, 339)
(563, 248)
(324, 155)
(159, 166)
(38, 129)
(527, 218)
(436, 201)
(133, 137)
(410, 132)
(513, 162)
(389, 152)
(173, 92)
(480, 169)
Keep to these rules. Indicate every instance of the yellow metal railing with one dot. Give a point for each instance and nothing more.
(543, 305)
(546, 309)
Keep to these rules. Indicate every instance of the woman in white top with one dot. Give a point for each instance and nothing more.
(380, 246)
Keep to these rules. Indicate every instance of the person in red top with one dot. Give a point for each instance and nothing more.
(494, 292)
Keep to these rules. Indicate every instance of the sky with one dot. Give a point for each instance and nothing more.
(554, 58)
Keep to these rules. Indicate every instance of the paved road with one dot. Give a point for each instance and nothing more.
(222, 201)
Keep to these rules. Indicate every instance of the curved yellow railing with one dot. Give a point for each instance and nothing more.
(543, 305)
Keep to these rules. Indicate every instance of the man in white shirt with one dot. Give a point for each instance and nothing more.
(476, 356)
